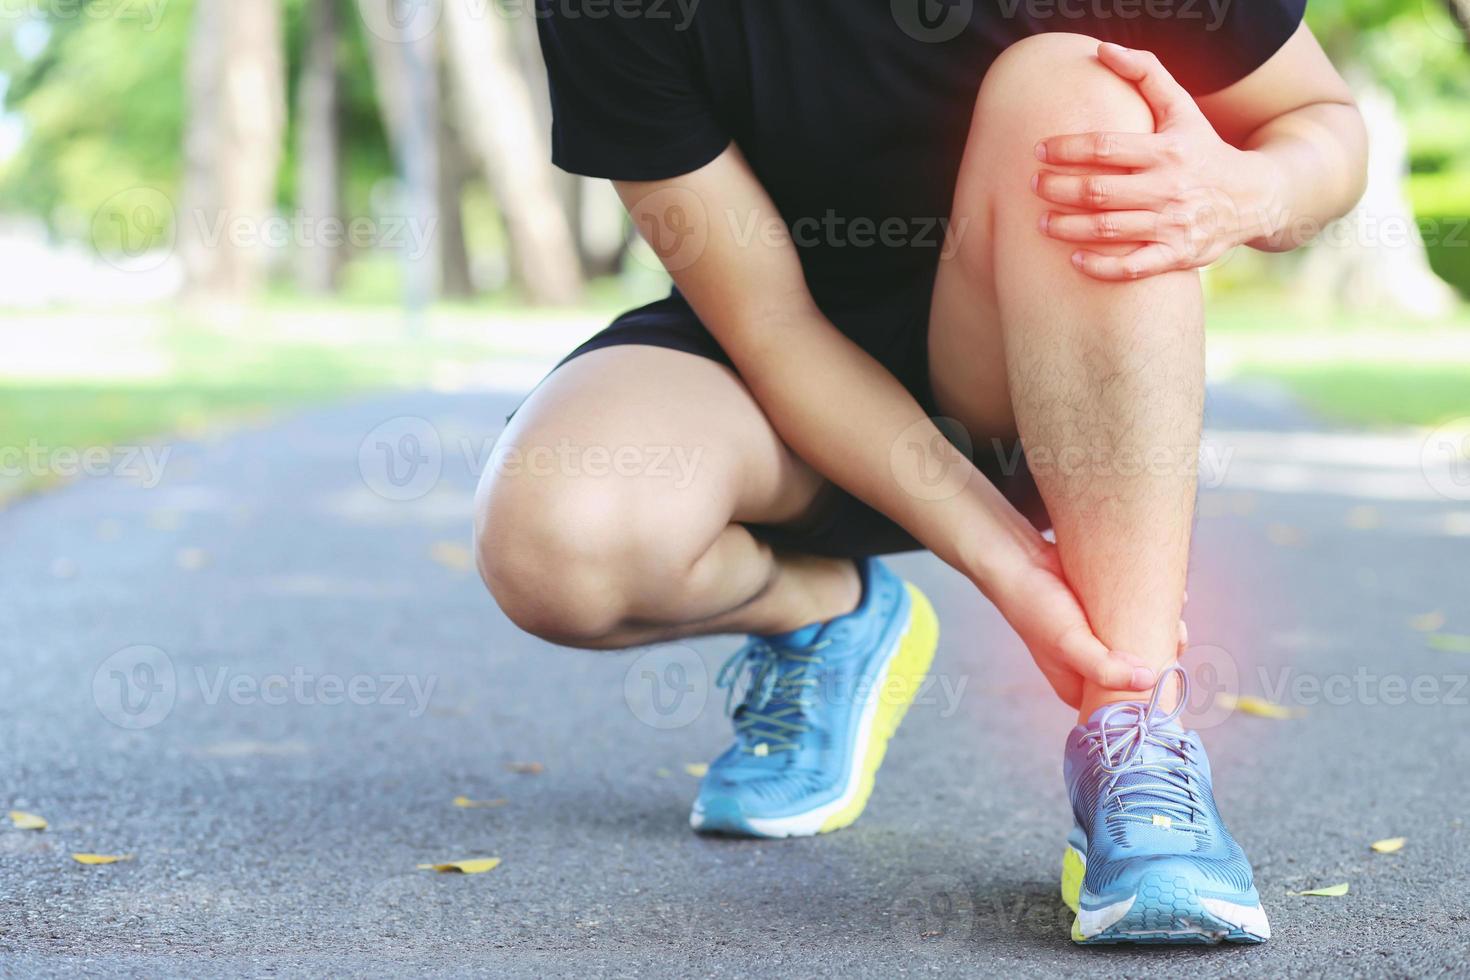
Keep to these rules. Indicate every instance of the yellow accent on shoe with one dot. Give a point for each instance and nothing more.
(899, 687)
(1074, 869)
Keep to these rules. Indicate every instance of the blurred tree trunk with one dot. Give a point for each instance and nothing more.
(602, 227)
(236, 95)
(454, 169)
(405, 58)
(1374, 257)
(318, 151)
(498, 118)
(1460, 11)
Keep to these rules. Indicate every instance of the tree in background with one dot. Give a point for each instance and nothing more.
(318, 146)
(498, 117)
(1375, 257)
(235, 126)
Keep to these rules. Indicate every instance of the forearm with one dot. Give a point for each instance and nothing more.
(1309, 168)
(852, 420)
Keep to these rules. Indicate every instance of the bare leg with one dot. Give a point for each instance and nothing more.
(611, 513)
(1104, 382)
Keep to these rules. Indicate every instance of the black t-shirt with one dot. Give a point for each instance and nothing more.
(851, 113)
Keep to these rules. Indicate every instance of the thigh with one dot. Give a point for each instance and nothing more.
(678, 433)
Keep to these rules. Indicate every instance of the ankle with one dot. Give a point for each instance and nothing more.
(817, 590)
(1094, 697)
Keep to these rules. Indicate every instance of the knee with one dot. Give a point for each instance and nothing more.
(1053, 83)
(564, 557)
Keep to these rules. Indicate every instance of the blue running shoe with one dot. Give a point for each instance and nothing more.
(818, 708)
(1149, 860)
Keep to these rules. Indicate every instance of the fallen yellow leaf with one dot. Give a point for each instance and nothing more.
(27, 821)
(469, 804)
(1428, 622)
(1449, 642)
(469, 866)
(100, 858)
(696, 769)
(191, 559)
(1260, 707)
(1283, 535)
(1388, 845)
(453, 555)
(662, 773)
(1330, 891)
(526, 768)
(1363, 518)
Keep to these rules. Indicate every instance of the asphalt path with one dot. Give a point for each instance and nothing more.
(264, 672)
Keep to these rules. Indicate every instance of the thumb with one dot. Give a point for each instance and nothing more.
(1166, 97)
(1110, 669)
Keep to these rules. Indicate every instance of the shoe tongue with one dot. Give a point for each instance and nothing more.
(1123, 720)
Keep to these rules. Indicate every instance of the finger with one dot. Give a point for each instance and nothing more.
(1150, 260)
(1102, 226)
(1111, 149)
(1086, 654)
(1067, 685)
(1183, 636)
(1100, 192)
(1166, 97)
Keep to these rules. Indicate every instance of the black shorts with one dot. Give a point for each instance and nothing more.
(839, 525)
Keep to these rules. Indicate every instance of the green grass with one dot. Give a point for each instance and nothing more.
(79, 416)
(1364, 368)
(214, 378)
(282, 357)
(42, 421)
(1370, 394)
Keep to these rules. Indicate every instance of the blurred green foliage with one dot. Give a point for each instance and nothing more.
(103, 104)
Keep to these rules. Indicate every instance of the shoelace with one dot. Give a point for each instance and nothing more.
(1168, 790)
(777, 694)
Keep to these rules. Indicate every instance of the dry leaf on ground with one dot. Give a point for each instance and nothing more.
(1427, 622)
(1328, 891)
(452, 554)
(1449, 642)
(464, 802)
(469, 866)
(1251, 705)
